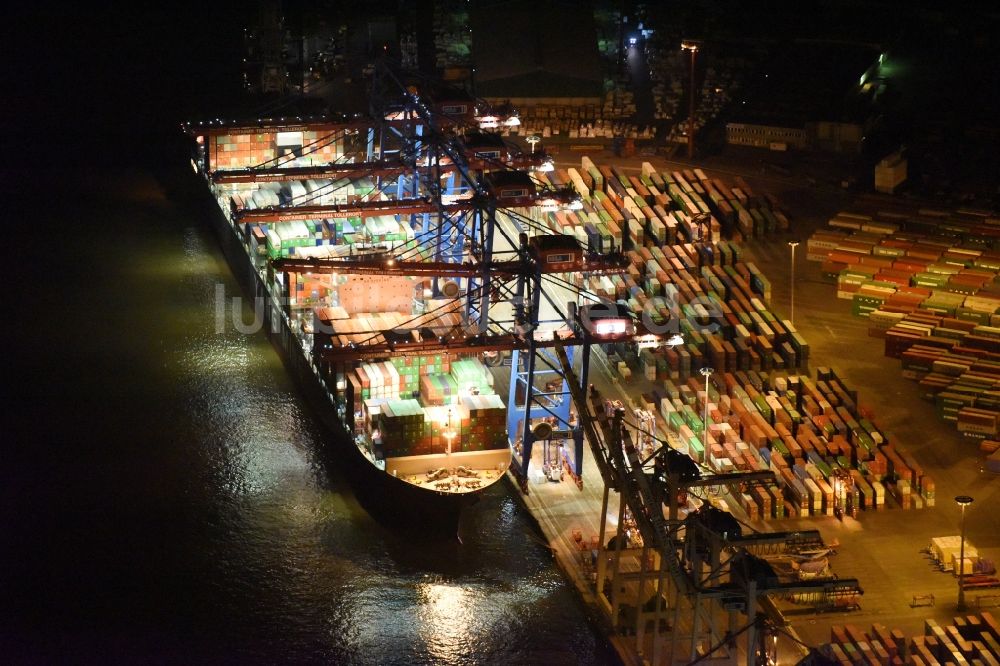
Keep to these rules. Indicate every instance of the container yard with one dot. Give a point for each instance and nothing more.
(594, 330)
(483, 314)
(926, 280)
(890, 585)
(739, 396)
(973, 638)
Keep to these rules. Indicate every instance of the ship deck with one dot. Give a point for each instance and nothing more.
(452, 473)
(458, 472)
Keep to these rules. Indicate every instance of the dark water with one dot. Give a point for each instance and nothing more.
(164, 497)
(168, 500)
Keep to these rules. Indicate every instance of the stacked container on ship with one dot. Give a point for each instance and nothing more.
(426, 432)
(337, 239)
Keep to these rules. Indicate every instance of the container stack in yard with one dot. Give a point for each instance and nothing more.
(763, 414)
(947, 552)
(452, 39)
(669, 69)
(587, 121)
(957, 254)
(655, 217)
(973, 638)
(991, 450)
(929, 283)
(957, 364)
(668, 72)
(807, 431)
(890, 173)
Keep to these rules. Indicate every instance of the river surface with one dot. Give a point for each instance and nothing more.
(164, 492)
(169, 498)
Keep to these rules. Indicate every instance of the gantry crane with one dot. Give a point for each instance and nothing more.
(464, 194)
(706, 562)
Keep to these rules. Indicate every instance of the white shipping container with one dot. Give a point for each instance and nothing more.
(815, 497)
(879, 491)
(259, 198)
(964, 567)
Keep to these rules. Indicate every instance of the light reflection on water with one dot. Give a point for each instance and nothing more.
(205, 521)
(443, 619)
(257, 437)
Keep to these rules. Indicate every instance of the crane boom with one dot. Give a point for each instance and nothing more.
(387, 265)
(406, 206)
(378, 168)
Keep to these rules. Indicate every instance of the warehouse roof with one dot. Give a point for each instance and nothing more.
(546, 49)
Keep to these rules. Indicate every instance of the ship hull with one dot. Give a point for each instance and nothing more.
(390, 500)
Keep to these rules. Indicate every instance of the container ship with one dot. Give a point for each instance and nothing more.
(396, 262)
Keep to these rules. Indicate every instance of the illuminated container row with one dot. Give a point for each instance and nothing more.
(874, 261)
(718, 309)
(674, 198)
(803, 430)
(240, 151)
(664, 276)
(973, 638)
(957, 365)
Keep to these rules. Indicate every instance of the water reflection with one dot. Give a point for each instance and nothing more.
(219, 530)
(444, 619)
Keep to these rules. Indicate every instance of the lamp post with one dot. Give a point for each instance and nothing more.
(963, 501)
(835, 482)
(839, 490)
(793, 245)
(449, 434)
(706, 372)
(692, 46)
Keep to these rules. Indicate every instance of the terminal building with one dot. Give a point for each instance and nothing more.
(836, 137)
